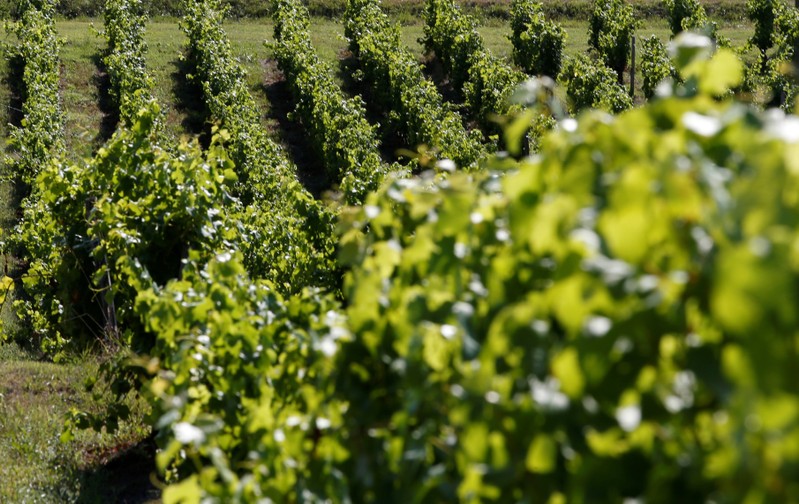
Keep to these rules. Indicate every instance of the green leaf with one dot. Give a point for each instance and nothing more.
(723, 72)
(516, 129)
(474, 441)
(566, 368)
(187, 491)
(541, 455)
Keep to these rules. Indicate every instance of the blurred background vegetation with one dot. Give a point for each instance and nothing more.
(727, 10)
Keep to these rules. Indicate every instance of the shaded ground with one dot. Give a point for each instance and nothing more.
(390, 136)
(95, 467)
(291, 133)
(126, 476)
(105, 102)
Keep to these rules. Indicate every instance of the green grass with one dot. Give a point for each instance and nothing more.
(83, 46)
(727, 10)
(79, 89)
(34, 399)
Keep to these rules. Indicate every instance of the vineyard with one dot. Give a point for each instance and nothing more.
(444, 272)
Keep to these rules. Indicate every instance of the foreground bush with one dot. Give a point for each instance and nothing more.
(613, 318)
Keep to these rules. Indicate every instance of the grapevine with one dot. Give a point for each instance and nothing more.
(399, 84)
(338, 127)
(484, 81)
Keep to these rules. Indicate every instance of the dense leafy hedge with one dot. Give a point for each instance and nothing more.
(591, 84)
(400, 87)
(594, 326)
(611, 319)
(685, 15)
(337, 126)
(40, 134)
(763, 14)
(242, 395)
(287, 234)
(484, 81)
(537, 42)
(93, 234)
(786, 40)
(38, 137)
(774, 38)
(131, 86)
(730, 10)
(655, 64)
(96, 8)
(100, 231)
(610, 32)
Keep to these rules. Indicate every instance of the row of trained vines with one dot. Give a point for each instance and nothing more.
(36, 140)
(40, 134)
(131, 87)
(399, 86)
(484, 81)
(336, 126)
(96, 233)
(612, 319)
(287, 234)
(576, 328)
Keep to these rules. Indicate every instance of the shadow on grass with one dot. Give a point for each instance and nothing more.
(16, 85)
(95, 467)
(106, 102)
(189, 100)
(125, 477)
(310, 170)
(390, 134)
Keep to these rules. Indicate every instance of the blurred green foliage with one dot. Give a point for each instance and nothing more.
(612, 318)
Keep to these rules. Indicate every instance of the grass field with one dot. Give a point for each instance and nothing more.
(34, 395)
(34, 398)
(83, 46)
